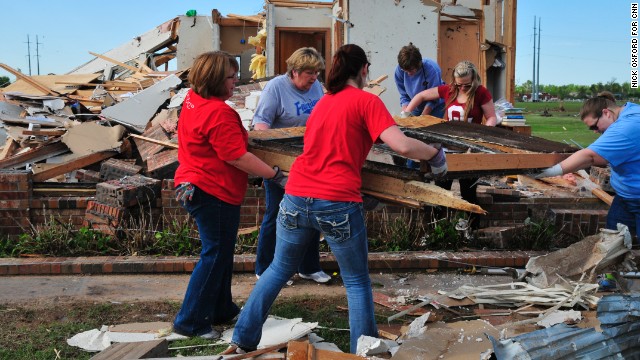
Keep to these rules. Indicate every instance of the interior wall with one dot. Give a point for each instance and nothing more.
(231, 36)
(381, 28)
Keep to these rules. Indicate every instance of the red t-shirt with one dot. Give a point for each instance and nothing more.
(340, 132)
(209, 134)
(455, 110)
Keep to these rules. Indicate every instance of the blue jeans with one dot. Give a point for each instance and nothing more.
(267, 238)
(299, 219)
(208, 298)
(625, 211)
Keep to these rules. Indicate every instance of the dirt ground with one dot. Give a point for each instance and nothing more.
(41, 291)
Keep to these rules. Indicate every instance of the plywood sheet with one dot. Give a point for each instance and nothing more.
(53, 82)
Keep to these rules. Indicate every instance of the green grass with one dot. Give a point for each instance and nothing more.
(41, 333)
(561, 126)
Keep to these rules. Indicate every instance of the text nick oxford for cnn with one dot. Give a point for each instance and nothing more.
(634, 45)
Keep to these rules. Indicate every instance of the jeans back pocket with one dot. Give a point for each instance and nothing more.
(335, 226)
(289, 220)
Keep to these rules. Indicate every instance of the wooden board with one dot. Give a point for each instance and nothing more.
(302, 350)
(74, 164)
(57, 83)
(134, 350)
(412, 190)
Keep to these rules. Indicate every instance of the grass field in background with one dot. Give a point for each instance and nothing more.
(562, 126)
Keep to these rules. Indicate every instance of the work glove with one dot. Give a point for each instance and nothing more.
(184, 192)
(405, 114)
(369, 203)
(438, 164)
(555, 170)
(279, 178)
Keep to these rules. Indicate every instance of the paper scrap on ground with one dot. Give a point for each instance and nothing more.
(277, 330)
(560, 316)
(98, 340)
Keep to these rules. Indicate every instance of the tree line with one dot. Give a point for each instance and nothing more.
(579, 92)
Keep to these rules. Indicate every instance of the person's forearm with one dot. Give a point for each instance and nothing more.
(252, 165)
(417, 100)
(418, 150)
(492, 121)
(261, 126)
(581, 159)
(427, 110)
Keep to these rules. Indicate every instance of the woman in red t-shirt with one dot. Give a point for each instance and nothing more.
(465, 100)
(211, 182)
(323, 194)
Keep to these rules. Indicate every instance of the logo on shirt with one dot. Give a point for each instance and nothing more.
(456, 113)
(305, 108)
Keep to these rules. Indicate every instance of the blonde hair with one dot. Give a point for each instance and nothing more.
(209, 72)
(463, 69)
(306, 58)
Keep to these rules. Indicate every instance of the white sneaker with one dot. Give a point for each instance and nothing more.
(319, 277)
(211, 335)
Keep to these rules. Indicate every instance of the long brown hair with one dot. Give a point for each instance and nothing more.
(463, 69)
(209, 72)
(347, 62)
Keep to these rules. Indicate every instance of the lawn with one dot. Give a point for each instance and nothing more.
(562, 126)
(40, 332)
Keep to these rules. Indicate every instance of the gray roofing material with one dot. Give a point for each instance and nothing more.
(620, 337)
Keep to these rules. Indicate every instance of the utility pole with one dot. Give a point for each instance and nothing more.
(29, 53)
(37, 55)
(538, 70)
(534, 95)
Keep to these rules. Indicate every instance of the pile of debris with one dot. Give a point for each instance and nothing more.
(568, 315)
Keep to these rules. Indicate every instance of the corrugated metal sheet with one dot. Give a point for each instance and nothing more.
(620, 337)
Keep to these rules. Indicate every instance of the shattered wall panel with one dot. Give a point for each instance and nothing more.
(378, 17)
(150, 41)
(197, 36)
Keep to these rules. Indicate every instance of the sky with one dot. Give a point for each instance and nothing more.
(582, 41)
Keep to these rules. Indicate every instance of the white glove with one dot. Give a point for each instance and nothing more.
(405, 114)
(555, 170)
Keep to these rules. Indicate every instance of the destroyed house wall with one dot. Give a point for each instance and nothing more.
(394, 24)
(148, 42)
(197, 34)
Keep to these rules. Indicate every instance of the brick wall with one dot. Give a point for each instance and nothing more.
(19, 209)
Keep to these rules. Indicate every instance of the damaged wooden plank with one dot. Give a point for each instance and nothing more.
(9, 148)
(44, 132)
(411, 190)
(74, 164)
(302, 350)
(35, 155)
(119, 63)
(134, 350)
(481, 161)
(157, 142)
(29, 80)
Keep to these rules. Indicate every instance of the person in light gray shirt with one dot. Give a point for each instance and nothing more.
(287, 101)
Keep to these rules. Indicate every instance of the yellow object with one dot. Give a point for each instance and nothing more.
(258, 66)
(259, 40)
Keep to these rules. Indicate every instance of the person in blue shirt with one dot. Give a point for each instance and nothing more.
(287, 101)
(619, 147)
(414, 74)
